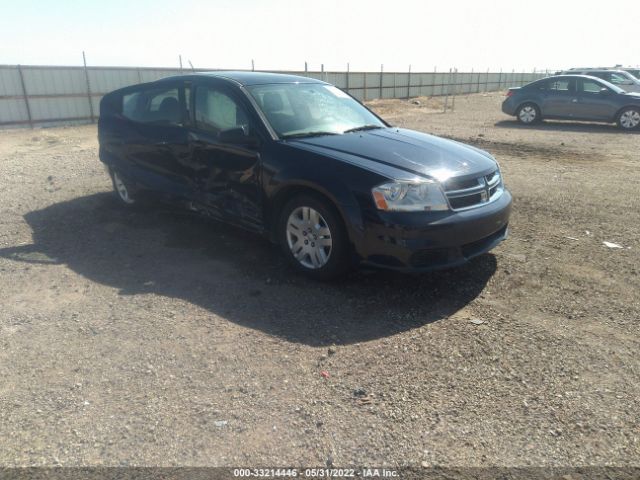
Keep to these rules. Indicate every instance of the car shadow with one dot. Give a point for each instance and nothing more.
(565, 126)
(238, 275)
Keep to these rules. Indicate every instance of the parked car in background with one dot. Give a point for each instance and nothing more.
(633, 71)
(619, 78)
(306, 165)
(573, 97)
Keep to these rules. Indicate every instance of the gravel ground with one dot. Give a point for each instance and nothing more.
(156, 338)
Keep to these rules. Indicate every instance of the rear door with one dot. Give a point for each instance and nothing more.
(559, 98)
(595, 100)
(156, 137)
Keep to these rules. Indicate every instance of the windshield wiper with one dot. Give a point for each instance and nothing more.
(363, 127)
(307, 134)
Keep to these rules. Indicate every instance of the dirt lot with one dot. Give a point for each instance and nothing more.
(156, 338)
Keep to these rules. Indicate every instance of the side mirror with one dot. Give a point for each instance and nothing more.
(605, 91)
(238, 136)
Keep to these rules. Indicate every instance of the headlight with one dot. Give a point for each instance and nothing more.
(424, 196)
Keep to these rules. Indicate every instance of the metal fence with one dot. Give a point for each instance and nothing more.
(54, 95)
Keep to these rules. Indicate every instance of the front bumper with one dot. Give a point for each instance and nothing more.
(435, 240)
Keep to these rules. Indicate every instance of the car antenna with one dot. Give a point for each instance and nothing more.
(191, 64)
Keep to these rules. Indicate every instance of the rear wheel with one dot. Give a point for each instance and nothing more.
(313, 237)
(123, 189)
(629, 118)
(528, 114)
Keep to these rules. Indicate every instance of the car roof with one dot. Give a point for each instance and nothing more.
(572, 75)
(615, 70)
(249, 78)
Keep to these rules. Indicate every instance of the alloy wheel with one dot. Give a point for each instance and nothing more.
(630, 119)
(121, 189)
(309, 237)
(527, 114)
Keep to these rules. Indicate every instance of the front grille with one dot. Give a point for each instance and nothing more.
(469, 193)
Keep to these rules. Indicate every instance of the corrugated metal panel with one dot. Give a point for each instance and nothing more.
(387, 79)
(10, 81)
(61, 92)
(12, 111)
(105, 81)
(356, 80)
(58, 108)
(387, 92)
(43, 81)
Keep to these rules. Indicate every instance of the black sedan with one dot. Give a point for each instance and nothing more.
(306, 165)
(573, 97)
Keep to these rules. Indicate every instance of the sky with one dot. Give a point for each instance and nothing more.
(283, 34)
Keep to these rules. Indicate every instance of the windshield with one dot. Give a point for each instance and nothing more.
(613, 87)
(308, 109)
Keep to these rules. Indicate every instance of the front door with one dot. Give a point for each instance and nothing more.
(595, 101)
(225, 160)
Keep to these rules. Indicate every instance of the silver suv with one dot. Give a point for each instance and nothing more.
(619, 78)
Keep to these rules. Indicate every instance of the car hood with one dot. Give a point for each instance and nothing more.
(408, 150)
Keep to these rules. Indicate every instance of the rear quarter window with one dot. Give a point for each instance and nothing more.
(158, 106)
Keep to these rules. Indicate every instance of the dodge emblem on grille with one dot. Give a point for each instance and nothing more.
(484, 195)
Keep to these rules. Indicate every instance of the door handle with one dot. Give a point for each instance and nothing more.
(574, 100)
(161, 144)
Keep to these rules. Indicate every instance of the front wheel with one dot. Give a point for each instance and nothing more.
(629, 118)
(123, 189)
(313, 238)
(528, 114)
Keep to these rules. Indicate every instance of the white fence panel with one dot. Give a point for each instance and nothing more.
(56, 95)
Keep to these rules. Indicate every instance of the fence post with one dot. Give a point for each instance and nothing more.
(86, 76)
(364, 95)
(180, 61)
(446, 98)
(25, 96)
(395, 85)
(455, 87)
(305, 67)
(381, 73)
(253, 66)
(347, 77)
(409, 83)
(500, 80)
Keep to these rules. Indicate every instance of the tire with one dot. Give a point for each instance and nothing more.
(528, 114)
(124, 191)
(629, 118)
(313, 237)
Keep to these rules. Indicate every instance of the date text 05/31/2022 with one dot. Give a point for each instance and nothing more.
(315, 472)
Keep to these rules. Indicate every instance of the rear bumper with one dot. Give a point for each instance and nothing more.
(429, 241)
(509, 107)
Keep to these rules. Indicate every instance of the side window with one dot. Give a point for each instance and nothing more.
(617, 79)
(216, 111)
(543, 85)
(591, 86)
(157, 106)
(559, 85)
